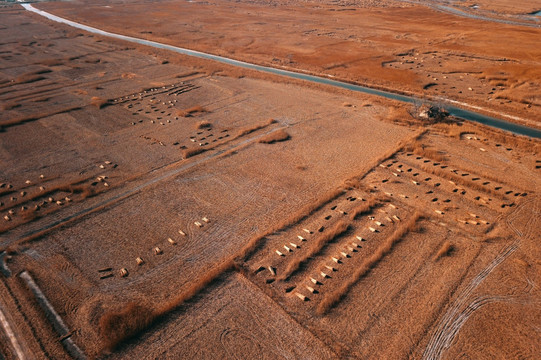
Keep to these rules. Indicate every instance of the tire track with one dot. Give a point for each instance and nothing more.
(462, 309)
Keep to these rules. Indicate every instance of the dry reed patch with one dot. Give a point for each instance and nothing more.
(457, 130)
(334, 297)
(365, 207)
(117, 326)
(203, 125)
(80, 92)
(276, 136)
(84, 190)
(52, 62)
(129, 76)
(187, 153)
(355, 183)
(98, 102)
(192, 111)
(338, 229)
(10, 105)
(294, 218)
(445, 250)
(424, 150)
(251, 129)
(459, 180)
(28, 78)
(35, 116)
(400, 116)
(29, 215)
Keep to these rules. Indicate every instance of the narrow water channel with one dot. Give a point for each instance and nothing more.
(455, 111)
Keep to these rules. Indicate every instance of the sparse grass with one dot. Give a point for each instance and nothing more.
(316, 246)
(334, 297)
(445, 250)
(276, 136)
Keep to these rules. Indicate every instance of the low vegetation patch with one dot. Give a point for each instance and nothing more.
(294, 218)
(251, 129)
(192, 111)
(187, 153)
(118, 326)
(365, 207)
(98, 102)
(276, 136)
(418, 148)
(319, 243)
(334, 297)
(10, 105)
(445, 250)
(203, 125)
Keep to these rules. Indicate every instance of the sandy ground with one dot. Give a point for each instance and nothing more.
(393, 45)
(172, 161)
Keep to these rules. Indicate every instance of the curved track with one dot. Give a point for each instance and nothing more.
(453, 110)
(463, 307)
(470, 15)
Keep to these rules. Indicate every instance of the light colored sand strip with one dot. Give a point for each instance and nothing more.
(11, 336)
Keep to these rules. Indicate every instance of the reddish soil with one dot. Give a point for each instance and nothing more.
(216, 212)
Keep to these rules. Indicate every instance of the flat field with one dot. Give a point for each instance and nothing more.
(157, 206)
